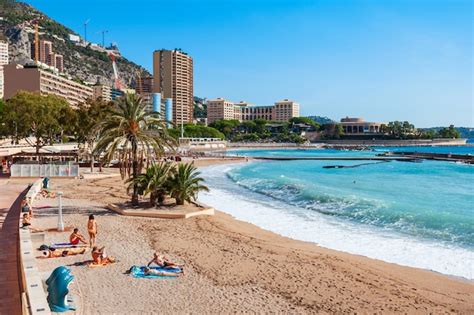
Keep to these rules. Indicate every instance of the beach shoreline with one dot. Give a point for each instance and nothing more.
(236, 266)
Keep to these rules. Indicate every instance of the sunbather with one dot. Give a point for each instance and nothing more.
(149, 271)
(100, 257)
(163, 262)
(26, 207)
(76, 237)
(26, 220)
(53, 253)
(26, 223)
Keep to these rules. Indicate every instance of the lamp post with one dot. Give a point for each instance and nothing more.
(60, 213)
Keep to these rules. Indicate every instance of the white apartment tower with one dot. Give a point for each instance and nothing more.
(3, 61)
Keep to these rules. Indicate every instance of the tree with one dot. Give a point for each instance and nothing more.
(305, 120)
(225, 126)
(89, 117)
(133, 134)
(185, 183)
(42, 116)
(154, 181)
(450, 132)
(333, 131)
(197, 131)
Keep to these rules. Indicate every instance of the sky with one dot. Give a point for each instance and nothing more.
(382, 60)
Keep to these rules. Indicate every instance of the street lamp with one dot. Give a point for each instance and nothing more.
(60, 213)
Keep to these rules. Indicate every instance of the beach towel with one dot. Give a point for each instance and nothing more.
(62, 245)
(139, 272)
(109, 261)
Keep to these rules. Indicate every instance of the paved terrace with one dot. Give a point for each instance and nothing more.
(10, 284)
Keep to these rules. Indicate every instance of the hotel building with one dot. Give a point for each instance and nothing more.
(358, 126)
(3, 62)
(285, 110)
(173, 78)
(257, 112)
(220, 108)
(35, 79)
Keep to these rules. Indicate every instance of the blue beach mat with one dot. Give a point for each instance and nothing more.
(139, 272)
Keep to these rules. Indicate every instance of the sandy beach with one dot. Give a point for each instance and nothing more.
(231, 266)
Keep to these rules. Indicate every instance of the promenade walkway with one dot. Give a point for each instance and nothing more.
(10, 290)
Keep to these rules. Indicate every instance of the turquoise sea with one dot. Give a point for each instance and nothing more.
(415, 214)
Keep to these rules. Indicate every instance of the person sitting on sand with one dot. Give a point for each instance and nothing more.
(26, 223)
(92, 229)
(26, 220)
(25, 207)
(163, 262)
(76, 237)
(154, 272)
(100, 257)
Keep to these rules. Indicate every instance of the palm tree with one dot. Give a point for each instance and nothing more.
(133, 134)
(154, 182)
(185, 183)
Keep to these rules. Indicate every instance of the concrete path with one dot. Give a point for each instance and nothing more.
(10, 291)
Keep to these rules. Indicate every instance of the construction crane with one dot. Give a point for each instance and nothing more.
(85, 30)
(117, 83)
(36, 22)
(139, 81)
(103, 37)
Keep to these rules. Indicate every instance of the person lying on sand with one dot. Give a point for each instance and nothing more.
(53, 253)
(100, 257)
(76, 237)
(163, 262)
(149, 271)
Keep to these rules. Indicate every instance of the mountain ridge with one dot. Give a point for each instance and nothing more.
(81, 63)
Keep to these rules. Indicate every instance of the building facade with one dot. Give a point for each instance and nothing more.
(285, 110)
(257, 112)
(358, 126)
(3, 62)
(220, 108)
(104, 92)
(144, 85)
(48, 56)
(35, 79)
(173, 78)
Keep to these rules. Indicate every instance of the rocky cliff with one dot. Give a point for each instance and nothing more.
(80, 62)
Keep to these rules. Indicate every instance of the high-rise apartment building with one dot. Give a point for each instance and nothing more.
(45, 50)
(144, 85)
(35, 79)
(48, 56)
(59, 62)
(3, 52)
(3, 61)
(173, 78)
